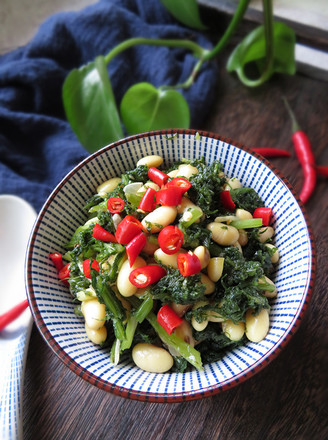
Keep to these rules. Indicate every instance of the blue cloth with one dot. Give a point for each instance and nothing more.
(37, 145)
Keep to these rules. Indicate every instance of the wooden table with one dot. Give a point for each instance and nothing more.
(285, 401)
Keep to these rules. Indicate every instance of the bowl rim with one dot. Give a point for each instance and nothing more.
(149, 396)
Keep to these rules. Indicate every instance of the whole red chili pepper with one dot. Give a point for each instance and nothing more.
(168, 319)
(146, 275)
(9, 316)
(322, 170)
(271, 152)
(305, 157)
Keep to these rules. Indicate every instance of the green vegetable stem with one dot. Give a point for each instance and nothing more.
(89, 100)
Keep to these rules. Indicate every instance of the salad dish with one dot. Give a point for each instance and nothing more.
(169, 266)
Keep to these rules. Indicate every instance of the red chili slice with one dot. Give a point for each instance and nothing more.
(147, 203)
(57, 259)
(264, 213)
(128, 228)
(135, 246)
(63, 274)
(169, 196)
(146, 275)
(168, 319)
(100, 233)
(227, 201)
(115, 205)
(188, 264)
(157, 176)
(180, 183)
(170, 239)
(87, 268)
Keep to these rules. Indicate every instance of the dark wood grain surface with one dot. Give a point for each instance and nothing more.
(286, 400)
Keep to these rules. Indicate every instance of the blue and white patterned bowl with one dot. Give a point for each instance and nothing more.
(52, 306)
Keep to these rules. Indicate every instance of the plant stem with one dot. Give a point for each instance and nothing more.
(269, 44)
(234, 23)
(197, 50)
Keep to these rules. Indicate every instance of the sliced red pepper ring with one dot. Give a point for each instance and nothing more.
(227, 201)
(170, 239)
(87, 265)
(57, 259)
(147, 203)
(115, 205)
(170, 196)
(135, 246)
(264, 213)
(180, 183)
(146, 275)
(188, 264)
(168, 319)
(157, 176)
(63, 274)
(128, 228)
(100, 233)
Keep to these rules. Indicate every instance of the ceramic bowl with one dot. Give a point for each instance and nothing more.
(53, 308)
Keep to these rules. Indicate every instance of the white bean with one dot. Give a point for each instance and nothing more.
(94, 313)
(125, 287)
(184, 332)
(215, 268)
(159, 218)
(275, 255)
(108, 186)
(208, 283)
(243, 237)
(268, 293)
(203, 254)
(257, 326)
(151, 358)
(187, 204)
(199, 326)
(151, 245)
(242, 214)
(265, 233)
(222, 234)
(186, 170)
(152, 160)
(168, 260)
(180, 309)
(98, 336)
(233, 331)
(233, 183)
(172, 173)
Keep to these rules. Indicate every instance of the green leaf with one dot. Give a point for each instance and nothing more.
(253, 49)
(186, 11)
(145, 108)
(90, 106)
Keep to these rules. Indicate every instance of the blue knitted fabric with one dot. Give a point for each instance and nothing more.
(37, 145)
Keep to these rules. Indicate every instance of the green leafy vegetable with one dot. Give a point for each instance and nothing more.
(145, 108)
(246, 198)
(185, 11)
(90, 104)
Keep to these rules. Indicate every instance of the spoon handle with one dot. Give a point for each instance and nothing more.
(12, 370)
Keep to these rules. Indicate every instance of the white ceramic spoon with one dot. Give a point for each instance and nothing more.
(16, 220)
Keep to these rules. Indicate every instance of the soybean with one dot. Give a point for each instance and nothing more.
(151, 358)
(125, 287)
(257, 326)
(96, 336)
(151, 161)
(222, 234)
(156, 220)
